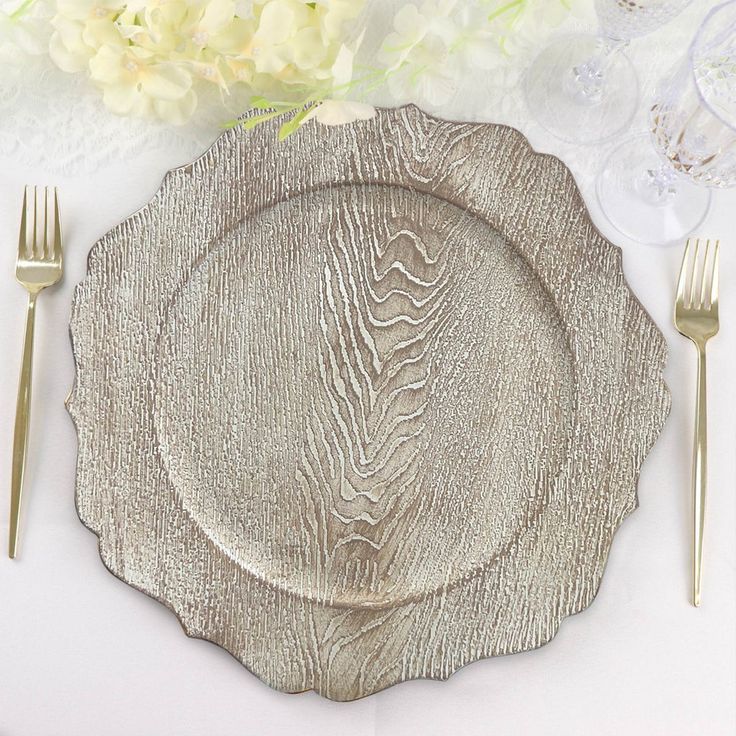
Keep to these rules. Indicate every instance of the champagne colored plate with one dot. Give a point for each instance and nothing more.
(365, 405)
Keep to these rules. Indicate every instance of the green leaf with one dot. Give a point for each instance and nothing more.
(261, 103)
(513, 4)
(252, 122)
(287, 129)
(21, 9)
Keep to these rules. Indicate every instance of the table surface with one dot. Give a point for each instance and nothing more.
(82, 653)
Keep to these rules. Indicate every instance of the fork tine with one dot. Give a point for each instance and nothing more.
(705, 276)
(682, 281)
(23, 235)
(46, 252)
(714, 277)
(34, 242)
(41, 222)
(694, 275)
(57, 227)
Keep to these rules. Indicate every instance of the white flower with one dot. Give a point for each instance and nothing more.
(285, 37)
(410, 28)
(433, 45)
(80, 28)
(428, 74)
(135, 82)
(521, 27)
(417, 53)
(24, 29)
(149, 57)
(335, 14)
(475, 39)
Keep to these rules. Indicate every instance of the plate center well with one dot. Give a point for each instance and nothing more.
(364, 394)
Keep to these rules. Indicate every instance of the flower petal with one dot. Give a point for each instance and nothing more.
(166, 81)
(276, 22)
(342, 68)
(66, 47)
(176, 112)
(217, 15)
(341, 112)
(125, 99)
(107, 67)
(308, 48)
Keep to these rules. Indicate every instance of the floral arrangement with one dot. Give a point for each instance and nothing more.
(154, 57)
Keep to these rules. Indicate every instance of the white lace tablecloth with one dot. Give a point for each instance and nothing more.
(83, 654)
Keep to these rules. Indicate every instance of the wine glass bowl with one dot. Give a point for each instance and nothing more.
(656, 188)
(693, 121)
(583, 88)
(628, 19)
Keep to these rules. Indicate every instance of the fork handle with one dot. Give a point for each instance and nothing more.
(22, 424)
(700, 473)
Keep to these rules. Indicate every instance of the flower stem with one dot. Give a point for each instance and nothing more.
(21, 9)
(511, 5)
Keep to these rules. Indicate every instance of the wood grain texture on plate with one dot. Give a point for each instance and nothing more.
(365, 405)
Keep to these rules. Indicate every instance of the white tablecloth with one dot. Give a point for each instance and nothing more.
(82, 654)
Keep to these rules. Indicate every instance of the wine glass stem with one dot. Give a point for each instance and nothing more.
(588, 78)
(657, 186)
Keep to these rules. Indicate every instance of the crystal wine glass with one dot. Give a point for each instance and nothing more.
(660, 193)
(583, 88)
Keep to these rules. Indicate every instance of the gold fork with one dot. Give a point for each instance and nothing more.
(696, 317)
(39, 264)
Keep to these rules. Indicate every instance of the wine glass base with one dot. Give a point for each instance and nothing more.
(567, 110)
(646, 200)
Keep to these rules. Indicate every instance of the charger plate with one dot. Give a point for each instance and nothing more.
(365, 405)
